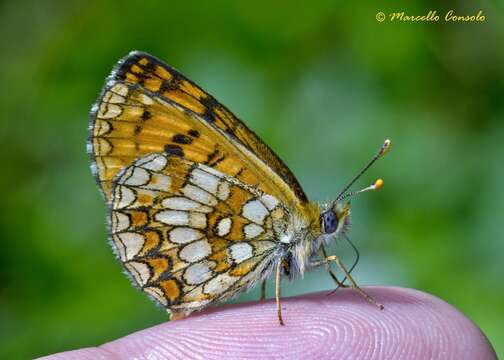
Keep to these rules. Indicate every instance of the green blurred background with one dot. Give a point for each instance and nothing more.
(322, 82)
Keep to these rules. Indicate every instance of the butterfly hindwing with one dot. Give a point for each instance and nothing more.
(190, 235)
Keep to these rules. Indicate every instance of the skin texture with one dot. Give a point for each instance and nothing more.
(413, 325)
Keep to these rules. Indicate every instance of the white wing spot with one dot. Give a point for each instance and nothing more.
(224, 226)
(184, 235)
(126, 197)
(140, 271)
(156, 293)
(133, 243)
(101, 127)
(223, 190)
(270, 201)
(241, 252)
(219, 284)
(173, 217)
(183, 203)
(102, 146)
(205, 180)
(195, 251)
(120, 89)
(195, 193)
(109, 111)
(135, 176)
(197, 273)
(252, 230)
(113, 98)
(154, 162)
(120, 221)
(255, 211)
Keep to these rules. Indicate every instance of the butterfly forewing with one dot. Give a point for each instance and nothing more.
(190, 235)
(148, 107)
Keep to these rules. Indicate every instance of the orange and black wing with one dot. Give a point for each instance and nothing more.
(146, 106)
(189, 235)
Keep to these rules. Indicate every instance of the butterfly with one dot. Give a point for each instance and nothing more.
(200, 209)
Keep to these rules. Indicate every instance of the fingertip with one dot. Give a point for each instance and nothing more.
(413, 325)
(92, 353)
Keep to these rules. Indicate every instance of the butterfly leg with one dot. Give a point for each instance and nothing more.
(335, 279)
(338, 262)
(328, 269)
(263, 291)
(277, 292)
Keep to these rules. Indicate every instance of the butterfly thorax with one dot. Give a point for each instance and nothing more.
(302, 241)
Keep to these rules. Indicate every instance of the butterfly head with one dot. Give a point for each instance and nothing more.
(335, 219)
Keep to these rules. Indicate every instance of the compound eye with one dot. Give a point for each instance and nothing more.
(329, 222)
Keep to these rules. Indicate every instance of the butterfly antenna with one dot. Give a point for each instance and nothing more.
(357, 254)
(357, 257)
(377, 184)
